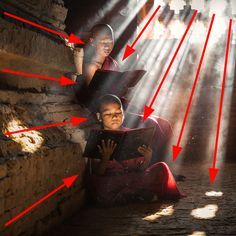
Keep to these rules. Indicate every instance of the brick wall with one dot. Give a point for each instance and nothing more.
(34, 163)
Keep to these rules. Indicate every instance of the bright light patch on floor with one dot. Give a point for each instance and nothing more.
(164, 211)
(214, 194)
(207, 212)
(198, 233)
(30, 141)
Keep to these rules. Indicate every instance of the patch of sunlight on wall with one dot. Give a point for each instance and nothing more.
(198, 233)
(30, 141)
(165, 211)
(206, 212)
(213, 194)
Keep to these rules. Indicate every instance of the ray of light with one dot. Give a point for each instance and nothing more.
(166, 210)
(206, 212)
(213, 194)
(30, 141)
(101, 13)
(198, 233)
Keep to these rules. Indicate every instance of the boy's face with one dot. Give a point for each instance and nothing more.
(104, 44)
(111, 115)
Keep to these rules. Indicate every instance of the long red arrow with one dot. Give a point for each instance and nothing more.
(177, 149)
(213, 171)
(72, 38)
(67, 182)
(74, 121)
(129, 49)
(148, 110)
(63, 81)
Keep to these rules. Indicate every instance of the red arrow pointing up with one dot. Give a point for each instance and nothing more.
(177, 149)
(129, 49)
(72, 38)
(67, 182)
(213, 171)
(148, 109)
(63, 81)
(74, 121)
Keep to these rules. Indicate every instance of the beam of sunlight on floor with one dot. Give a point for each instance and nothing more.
(206, 212)
(30, 141)
(198, 233)
(213, 194)
(166, 210)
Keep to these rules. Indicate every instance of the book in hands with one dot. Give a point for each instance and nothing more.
(114, 82)
(127, 142)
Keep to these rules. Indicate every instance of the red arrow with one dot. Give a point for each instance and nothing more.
(213, 171)
(148, 110)
(74, 121)
(129, 49)
(67, 182)
(177, 149)
(62, 80)
(72, 38)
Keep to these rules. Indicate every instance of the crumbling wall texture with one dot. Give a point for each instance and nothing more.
(34, 163)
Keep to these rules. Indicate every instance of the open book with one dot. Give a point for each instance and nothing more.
(115, 82)
(127, 142)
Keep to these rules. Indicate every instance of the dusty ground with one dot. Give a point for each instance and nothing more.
(216, 215)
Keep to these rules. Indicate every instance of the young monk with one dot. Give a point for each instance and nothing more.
(97, 52)
(97, 56)
(111, 182)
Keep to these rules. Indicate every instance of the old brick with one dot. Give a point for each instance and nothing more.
(3, 171)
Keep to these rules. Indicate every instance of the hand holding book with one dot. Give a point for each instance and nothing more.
(146, 152)
(119, 145)
(106, 149)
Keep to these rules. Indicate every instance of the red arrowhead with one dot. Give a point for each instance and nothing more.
(77, 120)
(74, 39)
(176, 150)
(66, 81)
(147, 112)
(213, 172)
(70, 180)
(128, 51)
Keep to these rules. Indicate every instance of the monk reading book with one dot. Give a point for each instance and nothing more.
(115, 82)
(97, 63)
(127, 142)
(113, 182)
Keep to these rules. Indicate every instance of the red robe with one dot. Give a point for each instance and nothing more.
(110, 64)
(121, 185)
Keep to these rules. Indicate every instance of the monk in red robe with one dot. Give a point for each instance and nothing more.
(97, 56)
(111, 182)
(97, 52)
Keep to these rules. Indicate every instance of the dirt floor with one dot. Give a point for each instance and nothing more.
(207, 210)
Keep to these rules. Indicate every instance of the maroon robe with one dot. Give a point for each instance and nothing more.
(124, 183)
(110, 64)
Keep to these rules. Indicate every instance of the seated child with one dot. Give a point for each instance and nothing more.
(96, 54)
(111, 182)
